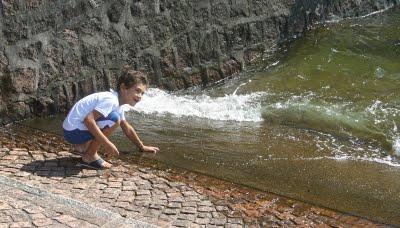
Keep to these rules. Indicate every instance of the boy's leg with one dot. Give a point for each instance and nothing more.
(81, 148)
(94, 145)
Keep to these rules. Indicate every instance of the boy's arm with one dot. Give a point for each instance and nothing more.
(130, 132)
(90, 122)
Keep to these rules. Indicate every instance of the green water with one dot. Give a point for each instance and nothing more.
(320, 125)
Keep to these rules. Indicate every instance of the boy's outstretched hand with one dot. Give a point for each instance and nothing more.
(149, 149)
(111, 149)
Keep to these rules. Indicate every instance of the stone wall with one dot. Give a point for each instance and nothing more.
(53, 52)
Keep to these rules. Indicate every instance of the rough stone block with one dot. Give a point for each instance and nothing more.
(25, 80)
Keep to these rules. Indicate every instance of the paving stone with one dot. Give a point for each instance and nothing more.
(64, 219)
(161, 198)
(10, 157)
(90, 173)
(176, 199)
(221, 208)
(174, 205)
(5, 218)
(50, 214)
(189, 204)
(235, 220)
(205, 203)
(134, 208)
(159, 202)
(169, 211)
(189, 217)
(19, 217)
(215, 226)
(173, 194)
(160, 186)
(230, 225)
(193, 198)
(121, 204)
(218, 215)
(145, 186)
(4, 206)
(57, 225)
(114, 184)
(126, 198)
(156, 206)
(33, 209)
(145, 198)
(79, 224)
(22, 174)
(42, 222)
(37, 216)
(129, 188)
(218, 221)
(109, 196)
(143, 192)
(189, 193)
(142, 203)
(204, 215)
(175, 184)
(107, 200)
(20, 224)
(154, 213)
(115, 179)
(114, 191)
(205, 209)
(182, 223)
(202, 221)
(189, 210)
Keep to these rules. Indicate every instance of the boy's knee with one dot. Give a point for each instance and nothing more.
(117, 124)
(113, 119)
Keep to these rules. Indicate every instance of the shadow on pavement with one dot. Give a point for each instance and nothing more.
(57, 167)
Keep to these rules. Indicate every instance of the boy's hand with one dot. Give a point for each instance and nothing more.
(149, 149)
(111, 149)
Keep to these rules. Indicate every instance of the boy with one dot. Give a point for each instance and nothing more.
(93, 118)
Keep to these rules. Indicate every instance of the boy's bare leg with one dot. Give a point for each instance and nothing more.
(94, 145)
(81, 148)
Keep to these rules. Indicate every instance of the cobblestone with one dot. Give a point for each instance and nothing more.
(129, 191)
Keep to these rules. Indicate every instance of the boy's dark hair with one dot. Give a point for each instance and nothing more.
(131, 77)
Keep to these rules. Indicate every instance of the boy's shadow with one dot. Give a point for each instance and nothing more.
(57, 167)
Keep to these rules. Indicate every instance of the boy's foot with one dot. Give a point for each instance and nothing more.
(95, 163)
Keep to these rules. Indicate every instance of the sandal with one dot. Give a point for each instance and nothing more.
(97, 164)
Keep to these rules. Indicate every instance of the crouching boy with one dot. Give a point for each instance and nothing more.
(93, 118)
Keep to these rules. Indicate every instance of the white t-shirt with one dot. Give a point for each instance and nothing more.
(103, 102)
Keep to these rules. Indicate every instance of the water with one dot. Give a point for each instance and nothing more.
(321, 124)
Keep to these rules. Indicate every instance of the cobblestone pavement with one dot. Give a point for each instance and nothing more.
(42, 186)
(22, 205)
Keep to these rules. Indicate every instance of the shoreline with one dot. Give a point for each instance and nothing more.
(226, 202)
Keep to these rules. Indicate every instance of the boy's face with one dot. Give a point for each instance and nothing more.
(132, 95)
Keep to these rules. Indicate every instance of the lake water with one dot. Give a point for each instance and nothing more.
(320, 124)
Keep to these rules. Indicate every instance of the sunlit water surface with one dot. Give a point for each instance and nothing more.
(320, 124)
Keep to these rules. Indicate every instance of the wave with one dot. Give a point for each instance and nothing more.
(388, 160)
(231, 107)
(327, 120)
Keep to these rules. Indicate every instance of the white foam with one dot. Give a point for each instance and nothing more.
(388, 160)
(396, 147)
(336, 19)
(229, 107)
